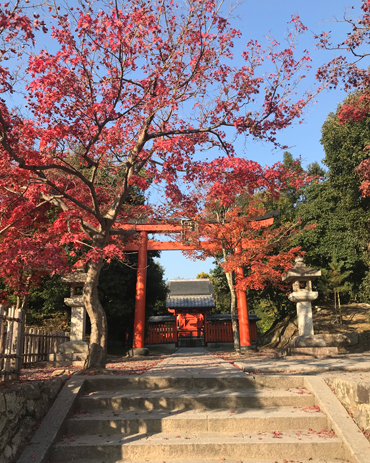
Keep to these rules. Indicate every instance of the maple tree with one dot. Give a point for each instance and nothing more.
(230, 198)
(132, 92)
(351, 69)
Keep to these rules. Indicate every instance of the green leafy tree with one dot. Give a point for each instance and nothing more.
(220, 288)
(334, 204)
(117, 290)
(333, 280)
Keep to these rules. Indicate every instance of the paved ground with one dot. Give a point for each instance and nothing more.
(355, 367)
(193, 362)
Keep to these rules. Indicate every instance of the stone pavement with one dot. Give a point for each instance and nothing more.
(192, 362)
(301, 365)
(196, 362)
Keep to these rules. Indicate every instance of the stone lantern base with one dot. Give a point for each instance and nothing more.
(312, 346)
(72, 353)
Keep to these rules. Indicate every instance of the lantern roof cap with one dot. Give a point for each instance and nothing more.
(300, 272)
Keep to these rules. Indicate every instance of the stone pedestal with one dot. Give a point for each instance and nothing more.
(138, 352)
(304, 310)
(312, 346)
(78, 317)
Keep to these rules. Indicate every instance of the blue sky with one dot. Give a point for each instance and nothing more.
(257, 20)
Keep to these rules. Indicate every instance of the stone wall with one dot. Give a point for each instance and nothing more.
(22, 407)
(355, 397)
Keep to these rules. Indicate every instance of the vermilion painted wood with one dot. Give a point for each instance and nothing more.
(139, 320)
(160, 333)
(244, 336)
(217, 331)
(170, 228)
(161, 246)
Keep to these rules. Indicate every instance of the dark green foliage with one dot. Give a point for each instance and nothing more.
(220, 288)
(333, 280)
(335, 205)
(117, 289)
(269, 304)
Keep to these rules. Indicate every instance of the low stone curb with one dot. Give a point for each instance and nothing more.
(356, 446)
(355, 397)
(299, 369)
(52, 427)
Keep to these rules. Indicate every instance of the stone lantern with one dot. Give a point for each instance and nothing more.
(76, 280)
(307, 343)
(301, 278)
(75, 351)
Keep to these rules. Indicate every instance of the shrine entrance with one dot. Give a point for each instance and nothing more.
(190, 301)
(144, 245)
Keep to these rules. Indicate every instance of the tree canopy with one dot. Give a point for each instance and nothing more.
(129, 87)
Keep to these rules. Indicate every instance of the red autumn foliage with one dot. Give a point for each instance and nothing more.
(226, 223)
(131, 93)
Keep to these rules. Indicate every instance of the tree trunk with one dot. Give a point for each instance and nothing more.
(99, 329)
(233, 309)
(335, 306)
(339, 310)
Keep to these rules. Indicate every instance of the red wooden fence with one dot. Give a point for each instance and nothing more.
(215, 331)
(159, 333)
(218, 331)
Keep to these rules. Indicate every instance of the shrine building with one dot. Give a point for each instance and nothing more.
(190, 322)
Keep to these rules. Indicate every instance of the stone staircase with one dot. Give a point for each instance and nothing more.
(267, 419)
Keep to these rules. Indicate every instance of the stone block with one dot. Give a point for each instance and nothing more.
(14, 404)
(340, 340)
(138, 352)
(52, 388)
(308, 341)
(362, 416)
(363, 394)
(3, 421)
(31, 391)
(2, 403)
(72, 347)
(317, 352)
(58, 372)
(21, 437)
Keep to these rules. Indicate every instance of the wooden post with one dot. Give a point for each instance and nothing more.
(9, 339)
(2, 332)
(18, 342)
(244, 335)
(139, 321)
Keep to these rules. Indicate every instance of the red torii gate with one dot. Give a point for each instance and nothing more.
(146, 245)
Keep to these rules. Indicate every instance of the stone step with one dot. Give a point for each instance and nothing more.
(217, 460)
(239, 446)
(249, 420)
(174, 399)
(101, 382)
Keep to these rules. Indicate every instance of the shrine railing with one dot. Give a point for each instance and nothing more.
(159, 333)
(218, 331)
(213, 331)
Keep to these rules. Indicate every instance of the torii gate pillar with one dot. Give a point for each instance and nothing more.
(241, 297)
(139, 320)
